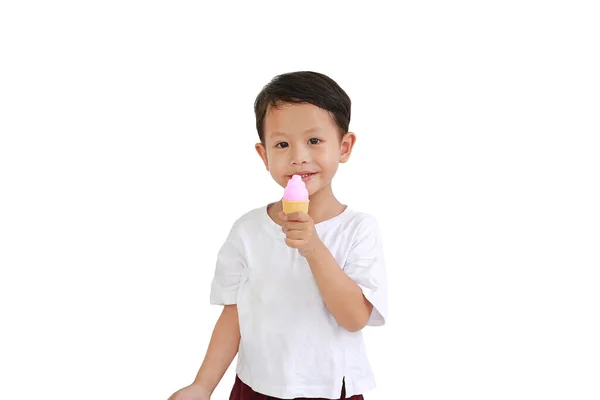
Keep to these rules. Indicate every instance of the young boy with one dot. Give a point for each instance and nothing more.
(297, 289)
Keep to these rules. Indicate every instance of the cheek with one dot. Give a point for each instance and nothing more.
(329, 159)
(276, 161)
(278, 167)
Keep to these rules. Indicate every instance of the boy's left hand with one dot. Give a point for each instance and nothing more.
(300, 231)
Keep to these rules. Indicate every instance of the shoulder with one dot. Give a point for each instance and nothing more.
(360, 221)
(242, 232)
(361, 231)
(248, 222)
(251, 217)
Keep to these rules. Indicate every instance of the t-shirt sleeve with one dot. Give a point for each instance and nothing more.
(365, 265)
(229, 270)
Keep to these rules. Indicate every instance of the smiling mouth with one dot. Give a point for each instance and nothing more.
(307, 176)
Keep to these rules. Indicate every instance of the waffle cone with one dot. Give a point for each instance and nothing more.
(290, 206)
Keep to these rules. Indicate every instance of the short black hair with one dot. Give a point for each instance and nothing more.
(304, 87)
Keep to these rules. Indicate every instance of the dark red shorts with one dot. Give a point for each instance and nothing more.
(241, 391)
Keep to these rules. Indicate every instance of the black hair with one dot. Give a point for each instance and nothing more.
(304, 87)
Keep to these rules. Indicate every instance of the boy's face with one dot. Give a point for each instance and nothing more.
(303, 139)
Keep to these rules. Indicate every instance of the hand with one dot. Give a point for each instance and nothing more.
(300, 232)
(191, 392)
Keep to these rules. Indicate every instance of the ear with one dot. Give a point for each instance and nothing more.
(262, 152)
(346, 145)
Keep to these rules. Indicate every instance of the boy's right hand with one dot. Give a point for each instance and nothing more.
(191, 392)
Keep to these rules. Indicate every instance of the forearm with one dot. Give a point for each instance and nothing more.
(222, 349)
(343, 297)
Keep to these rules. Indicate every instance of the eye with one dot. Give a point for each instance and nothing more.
(314, 141)
(282, 145)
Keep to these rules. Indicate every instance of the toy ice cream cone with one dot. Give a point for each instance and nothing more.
(290, 206)
(295, 196)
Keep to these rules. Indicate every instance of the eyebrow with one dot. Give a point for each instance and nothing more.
(311, 130)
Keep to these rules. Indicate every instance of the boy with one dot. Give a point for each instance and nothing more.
(297, 289)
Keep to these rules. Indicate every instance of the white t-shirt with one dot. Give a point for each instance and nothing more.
(291, 346)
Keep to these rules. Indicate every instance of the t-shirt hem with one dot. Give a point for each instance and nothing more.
(292, 392)
(377, 317)
(223, 300)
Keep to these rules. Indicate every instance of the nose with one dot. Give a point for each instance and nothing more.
(299, 155)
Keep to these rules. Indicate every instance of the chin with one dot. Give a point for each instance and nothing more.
(313, 189)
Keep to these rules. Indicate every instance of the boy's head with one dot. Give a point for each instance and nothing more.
(302, 120)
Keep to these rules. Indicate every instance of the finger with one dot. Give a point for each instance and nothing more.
(295, 235)
(295, 226)
(294, 243)
(299, 216)
(282, 215)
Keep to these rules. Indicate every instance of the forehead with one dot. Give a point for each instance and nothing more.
(295, 119)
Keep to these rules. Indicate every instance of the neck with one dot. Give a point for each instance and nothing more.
(324, 205)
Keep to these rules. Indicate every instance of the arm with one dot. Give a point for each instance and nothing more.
(350, 293)
(222, 349)
(343, 297)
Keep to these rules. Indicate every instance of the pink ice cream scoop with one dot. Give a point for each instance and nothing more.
(295, 196)
(295, 190)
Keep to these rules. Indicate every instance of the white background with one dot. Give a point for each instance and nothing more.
(126, 153)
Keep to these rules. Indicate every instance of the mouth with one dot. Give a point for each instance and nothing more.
(306, 176)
